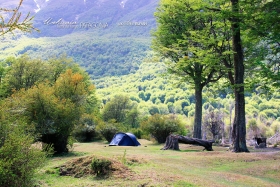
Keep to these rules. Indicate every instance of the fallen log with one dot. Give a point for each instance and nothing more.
(172, 142)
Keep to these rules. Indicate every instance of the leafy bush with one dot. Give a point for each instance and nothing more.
(108, 130)
(275, 126)
(3, 133)
(160, 126)
(19, 160)
(137, 132)
(84, 133)
(101, 167)
(117, 108)
(86, 130)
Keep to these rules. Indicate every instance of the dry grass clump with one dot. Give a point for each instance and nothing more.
(81, 167)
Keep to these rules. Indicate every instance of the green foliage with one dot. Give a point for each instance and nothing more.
(130, 84)
(86, 130)
(24, 72)
(99, 56)
(153, 109)
(19, 160)
(123, 158)
(252, 124)
(275, 127)
(160, 126)
(132, 119)
(195, 43)
(101, 167)
(108, 130)
(137, 132)
(52, 107)
(263, 29)
(122, 110)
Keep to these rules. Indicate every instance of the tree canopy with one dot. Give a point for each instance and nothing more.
(196, 40)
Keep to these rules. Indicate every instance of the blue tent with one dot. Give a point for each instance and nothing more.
(124, 139)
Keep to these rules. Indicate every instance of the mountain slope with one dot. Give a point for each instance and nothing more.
(52, 16)
(106, 37)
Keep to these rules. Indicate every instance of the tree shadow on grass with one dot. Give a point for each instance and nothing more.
(192, 150)
(70, 154)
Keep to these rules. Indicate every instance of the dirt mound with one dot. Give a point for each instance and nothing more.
(81, 167)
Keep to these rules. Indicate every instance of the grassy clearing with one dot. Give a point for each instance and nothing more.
(147, 165)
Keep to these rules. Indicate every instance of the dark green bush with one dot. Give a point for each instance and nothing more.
(86, 130)
(101, 167)
(108, 130)
(160, 126)
(137, 132)
(84, 133)
(19, 160)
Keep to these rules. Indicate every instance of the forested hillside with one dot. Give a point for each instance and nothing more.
(100, 56)
(107, 38)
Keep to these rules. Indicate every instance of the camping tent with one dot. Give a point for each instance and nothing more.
(124, 139)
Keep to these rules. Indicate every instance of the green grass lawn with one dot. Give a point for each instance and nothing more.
(153, 167)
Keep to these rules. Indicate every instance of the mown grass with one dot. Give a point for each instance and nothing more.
(153, 167)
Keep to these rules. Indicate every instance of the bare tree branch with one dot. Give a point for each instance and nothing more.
(14, 21)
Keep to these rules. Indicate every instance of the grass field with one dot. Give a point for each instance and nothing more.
(147, 165)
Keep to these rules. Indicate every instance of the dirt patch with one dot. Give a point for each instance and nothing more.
(81, 167)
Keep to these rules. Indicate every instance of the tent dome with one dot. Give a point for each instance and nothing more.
(124, 139)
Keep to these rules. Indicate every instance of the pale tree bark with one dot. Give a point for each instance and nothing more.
(172, 142)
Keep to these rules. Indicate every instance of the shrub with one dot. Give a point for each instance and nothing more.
(137, 132)
(160, 126)
(117, 108)
(84, 133)
(271, 113)
(86, 130)
(108, 130)
(19, 160)
(101, 167)
(275, 126)
(191, 113)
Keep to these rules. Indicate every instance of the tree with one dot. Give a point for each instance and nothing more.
(58, 65)
(119, 109)
(53, 108)
(239, 124)
(24, 72)
(195, 40)
(244, 16)
(262, 24)
(14, 22)
(234, 15)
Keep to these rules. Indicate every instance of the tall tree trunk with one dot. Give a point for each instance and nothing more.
(198, 111)
(239, 124)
